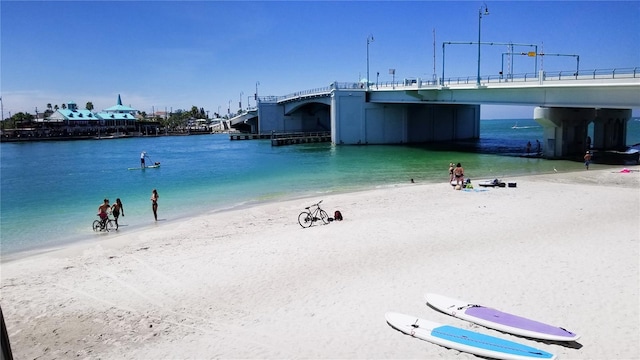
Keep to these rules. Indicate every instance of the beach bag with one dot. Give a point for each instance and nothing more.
(337, 215)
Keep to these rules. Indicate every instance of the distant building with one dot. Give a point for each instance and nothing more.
(72, 118)
(74, 121)
(118, 116)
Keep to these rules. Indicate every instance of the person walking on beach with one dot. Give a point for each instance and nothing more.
(102, 210)
(116, 209)
(587, 159)
(528, 147)
(143, 155)
(154, 203)
(458, 173)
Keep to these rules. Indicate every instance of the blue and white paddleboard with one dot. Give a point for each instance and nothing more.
(464, 340)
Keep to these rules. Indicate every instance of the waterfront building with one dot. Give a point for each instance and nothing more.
(118, 117)
(69, 121)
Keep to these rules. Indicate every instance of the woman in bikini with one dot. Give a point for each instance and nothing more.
(154, 203)
(458, 172)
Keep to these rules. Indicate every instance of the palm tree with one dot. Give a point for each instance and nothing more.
(56, 107)
(49, 106)
(89, 105)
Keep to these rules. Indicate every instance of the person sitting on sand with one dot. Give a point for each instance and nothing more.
(458, 173)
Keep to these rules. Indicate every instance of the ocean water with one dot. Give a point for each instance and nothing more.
(50, 191)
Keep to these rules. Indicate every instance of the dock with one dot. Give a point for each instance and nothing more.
(242, 136)
(291, 138)
(287, 138)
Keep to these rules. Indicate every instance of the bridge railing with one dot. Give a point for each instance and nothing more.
(414, 83)
(596, 74)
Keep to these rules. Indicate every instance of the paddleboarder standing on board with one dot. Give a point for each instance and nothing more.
(142, 156)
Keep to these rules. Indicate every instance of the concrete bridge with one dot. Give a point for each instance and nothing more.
(421, 111)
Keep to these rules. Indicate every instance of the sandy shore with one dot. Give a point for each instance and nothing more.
(560, 248)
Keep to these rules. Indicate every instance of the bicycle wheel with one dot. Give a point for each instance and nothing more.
(96, 225)
(111, 225)
(305, 219)
(324, 216)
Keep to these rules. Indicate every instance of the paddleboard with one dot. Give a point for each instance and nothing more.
(464, 340)
(492, 183)
(146, 167)
(499, 320)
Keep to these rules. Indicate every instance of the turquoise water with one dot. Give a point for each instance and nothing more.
(50, 191)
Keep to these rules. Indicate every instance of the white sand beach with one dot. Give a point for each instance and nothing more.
(560, 248)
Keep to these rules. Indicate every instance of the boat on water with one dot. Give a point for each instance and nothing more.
(515, 126)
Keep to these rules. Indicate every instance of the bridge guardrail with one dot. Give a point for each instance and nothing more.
(413, 83)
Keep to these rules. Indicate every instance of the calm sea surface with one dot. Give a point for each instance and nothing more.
(50, 191)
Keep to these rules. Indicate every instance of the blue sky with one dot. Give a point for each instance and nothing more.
(177, 54)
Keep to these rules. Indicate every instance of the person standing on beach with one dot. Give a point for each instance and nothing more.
(116, 209)
(587, 159)
(458, 173)
(450, 172)
(142, 156)
(154, 203)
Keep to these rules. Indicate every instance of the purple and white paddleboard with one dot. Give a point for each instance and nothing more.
(499, 320)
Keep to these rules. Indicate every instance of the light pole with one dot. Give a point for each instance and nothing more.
(369, 40)
(486, 12)
(240, 102)
(256, 95)
(229, 109)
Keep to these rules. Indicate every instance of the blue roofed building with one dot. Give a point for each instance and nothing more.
(73, 120)
(119, 117)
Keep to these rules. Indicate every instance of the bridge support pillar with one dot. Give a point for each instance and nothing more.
(356, 120)
(565, 130)
(610, 129)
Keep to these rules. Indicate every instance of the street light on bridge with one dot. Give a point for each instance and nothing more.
(369, 40)
(486, 12)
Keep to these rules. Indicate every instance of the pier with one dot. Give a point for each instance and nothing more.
(290, 138)
(286, 138)
(247, 136)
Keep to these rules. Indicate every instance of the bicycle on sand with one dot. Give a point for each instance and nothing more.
(106, 224)
(309, 216)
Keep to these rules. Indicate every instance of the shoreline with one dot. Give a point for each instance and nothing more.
(560, 248)
(90, 238)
